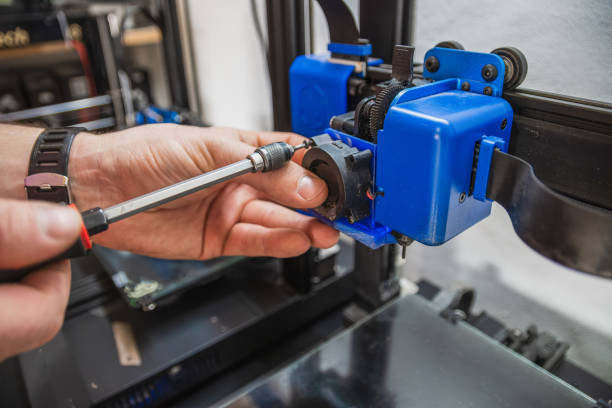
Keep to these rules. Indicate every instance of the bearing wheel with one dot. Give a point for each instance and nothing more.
(516, 66)
(455, 45)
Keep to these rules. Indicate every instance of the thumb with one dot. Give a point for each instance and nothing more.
(34, 231)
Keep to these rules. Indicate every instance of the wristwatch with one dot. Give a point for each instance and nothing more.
(48, 172)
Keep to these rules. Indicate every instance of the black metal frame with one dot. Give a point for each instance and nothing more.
(286, 40)
(397, 18)
(568, 141)
(169, 24)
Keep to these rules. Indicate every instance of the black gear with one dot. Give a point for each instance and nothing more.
(381, 105)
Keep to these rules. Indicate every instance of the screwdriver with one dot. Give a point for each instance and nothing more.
(266, 158)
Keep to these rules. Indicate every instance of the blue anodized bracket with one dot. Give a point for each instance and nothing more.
(466, 66)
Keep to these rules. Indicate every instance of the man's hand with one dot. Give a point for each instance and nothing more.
(246, 216)
(32, 311)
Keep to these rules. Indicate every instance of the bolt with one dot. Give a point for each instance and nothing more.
(432, 64)
(504, 123)
(489, 72)
(462, 197)
(488, 91)
(465, 86)
(458, 315)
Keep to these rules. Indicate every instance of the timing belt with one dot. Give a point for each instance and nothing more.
(565, 230)
(342, 26)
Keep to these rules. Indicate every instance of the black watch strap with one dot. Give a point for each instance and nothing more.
(48, 172)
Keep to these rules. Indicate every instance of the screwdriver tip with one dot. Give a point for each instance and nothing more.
(307, 143)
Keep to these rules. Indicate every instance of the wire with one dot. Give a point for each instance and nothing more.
(264, 46)
(81, 50)
(260, 36)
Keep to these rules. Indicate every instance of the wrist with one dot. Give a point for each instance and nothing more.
(17, 143)
(89, 183)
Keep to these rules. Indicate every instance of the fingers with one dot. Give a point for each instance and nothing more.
(240, 209)
(32, 312)
(272, 215)
(256, 240)
(32, 232)
(292, 186)
(224, 212)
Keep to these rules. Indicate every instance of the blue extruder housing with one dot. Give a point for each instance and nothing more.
(422, 163)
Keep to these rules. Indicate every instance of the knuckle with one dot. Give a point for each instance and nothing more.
(52, 325)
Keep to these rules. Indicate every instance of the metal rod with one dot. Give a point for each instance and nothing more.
(156, 198)
(57, 108)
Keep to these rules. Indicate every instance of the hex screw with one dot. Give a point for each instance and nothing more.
(489, 72)
(504, 124)
(432, 64)
(488, 91)
(462, 197)
(465, 86)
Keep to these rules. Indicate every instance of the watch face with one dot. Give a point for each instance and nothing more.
(48, 187)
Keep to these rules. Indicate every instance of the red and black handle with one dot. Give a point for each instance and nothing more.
(94, 222)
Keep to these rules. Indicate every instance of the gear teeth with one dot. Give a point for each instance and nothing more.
(381, 106)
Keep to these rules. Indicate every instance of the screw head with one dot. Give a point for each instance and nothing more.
(504, 124)
(488, 91)
(432, 64)
(462, 197)
(465, 86)
(489, 72)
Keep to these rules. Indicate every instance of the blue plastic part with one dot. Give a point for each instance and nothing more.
(422, 163)
(467, 66)
(361, 50)
(318, 91)
(488, 144)
(154, 114)
(424, 160)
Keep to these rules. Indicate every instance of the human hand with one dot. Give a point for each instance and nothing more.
(245, 216)
(32, 310)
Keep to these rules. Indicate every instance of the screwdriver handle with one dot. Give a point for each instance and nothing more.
(94, 222)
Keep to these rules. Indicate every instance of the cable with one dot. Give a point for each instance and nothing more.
(262, 42)
(259, 31)
(81, 50)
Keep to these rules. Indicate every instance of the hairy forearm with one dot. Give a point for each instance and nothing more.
(15, 148)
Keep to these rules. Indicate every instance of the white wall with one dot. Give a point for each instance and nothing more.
(230, 64)
(568, 43)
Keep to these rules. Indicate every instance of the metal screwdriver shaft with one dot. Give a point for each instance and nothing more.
(95, 220)
(266, 158)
